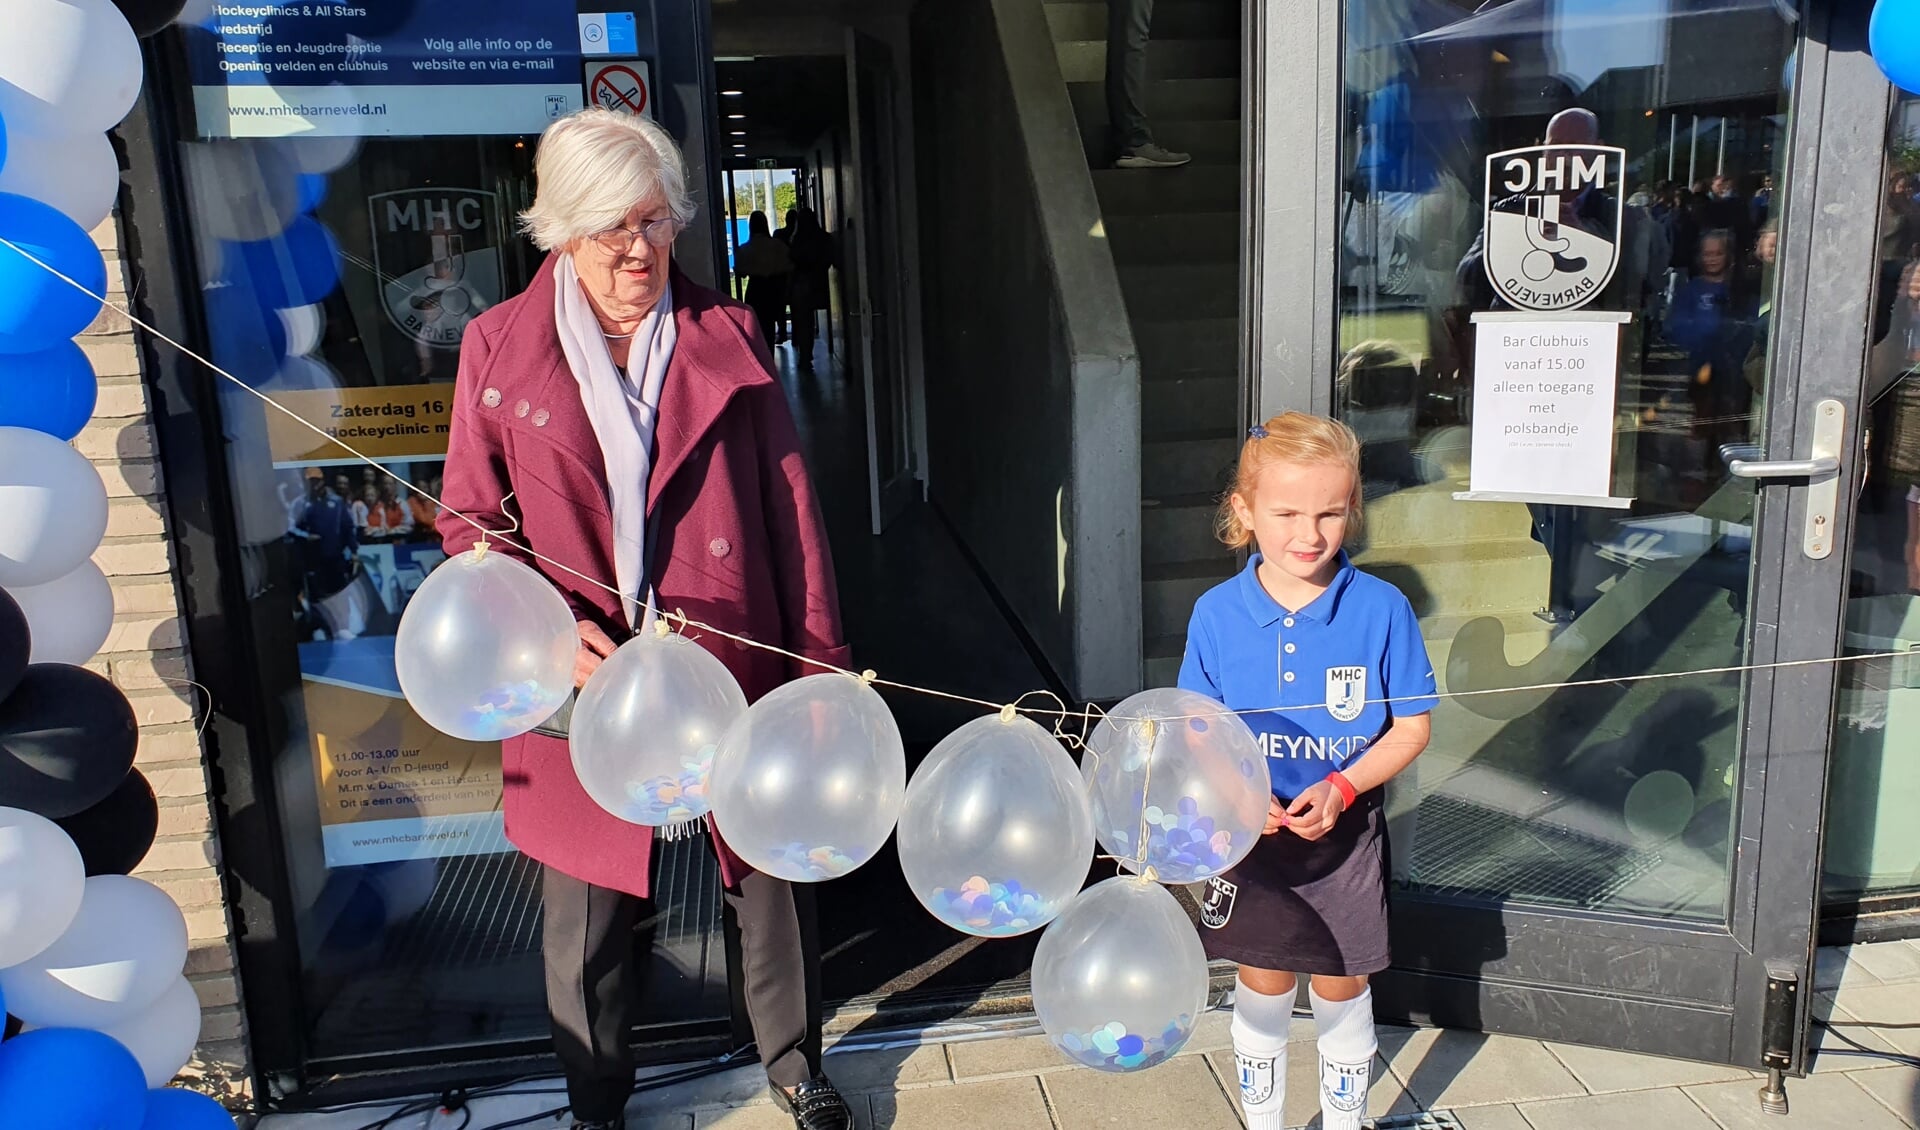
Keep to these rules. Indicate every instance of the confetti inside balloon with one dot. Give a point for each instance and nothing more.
(1173, 768)
(1120, 979)
(995, 834)
(485, 648)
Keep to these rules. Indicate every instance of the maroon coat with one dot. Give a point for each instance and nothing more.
(738, 544)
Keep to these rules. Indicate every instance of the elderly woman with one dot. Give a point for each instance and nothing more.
(633, 417)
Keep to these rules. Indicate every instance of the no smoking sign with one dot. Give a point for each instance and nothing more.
(625, 85)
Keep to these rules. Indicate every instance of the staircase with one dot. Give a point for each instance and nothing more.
(1176, 237)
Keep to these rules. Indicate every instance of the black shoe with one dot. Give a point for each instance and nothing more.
(815, 1105)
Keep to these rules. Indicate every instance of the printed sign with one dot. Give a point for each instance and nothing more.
(383, 422)
(378, 68)
(436, 254)
(1543, 402)
(1553, 223)
(622, 86)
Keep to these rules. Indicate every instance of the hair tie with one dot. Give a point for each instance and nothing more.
(1258, 431)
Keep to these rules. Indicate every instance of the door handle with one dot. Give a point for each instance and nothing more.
(1822, 467)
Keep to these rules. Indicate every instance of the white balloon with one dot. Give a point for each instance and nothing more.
(41, 881)
(807, 785)
(53, 508)
(123, 949)
(305, 325)
(69, 616)
(162, 1036)
(485, 648)
(196, 13)
(76, 173)
(242, 190)
(67, 66)
(647, 725)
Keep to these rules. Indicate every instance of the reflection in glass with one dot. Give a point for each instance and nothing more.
(1612, 796)
(1873, 840)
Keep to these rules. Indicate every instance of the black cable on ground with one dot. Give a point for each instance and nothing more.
(1857, 1050)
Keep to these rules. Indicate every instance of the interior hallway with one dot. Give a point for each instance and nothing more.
(916, 611)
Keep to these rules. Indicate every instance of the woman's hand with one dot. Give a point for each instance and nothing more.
(1313, 812)
(1276, 816)
(595, 646)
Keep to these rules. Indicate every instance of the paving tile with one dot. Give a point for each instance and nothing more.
(1456, 1069)
(1385, 1095)
(1818, 1102)
(1888, 1003)
(1491, 1118)
(859, 1072)
(1834, 968)
(1016, 1055)
(1821, 1039)
(766, 1116)
(998, 1104)
(1897, 1088)
(1667, 1109)
(742, 1086)
(1083, 1100)
(1603, 1071)
(1890, 962)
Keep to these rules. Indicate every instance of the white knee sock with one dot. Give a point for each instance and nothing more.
(1260, 1025)
(1347, 1045)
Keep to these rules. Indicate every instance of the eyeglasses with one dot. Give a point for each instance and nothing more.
(618, 241)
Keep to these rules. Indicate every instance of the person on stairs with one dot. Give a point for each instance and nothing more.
(1129, 26)
(1334, 661)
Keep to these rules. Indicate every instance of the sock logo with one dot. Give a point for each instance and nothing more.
(1256, 1079)
(1343, 1086)
(1217, 906)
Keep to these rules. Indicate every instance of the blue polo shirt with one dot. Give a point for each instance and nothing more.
(1333, 661)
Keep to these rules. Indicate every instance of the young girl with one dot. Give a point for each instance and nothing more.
(1301, 629)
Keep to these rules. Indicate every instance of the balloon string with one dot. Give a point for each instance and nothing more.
(1088, 714)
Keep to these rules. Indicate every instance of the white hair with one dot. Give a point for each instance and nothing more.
(594, 167)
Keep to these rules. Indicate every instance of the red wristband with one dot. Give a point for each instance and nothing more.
(1344, 786)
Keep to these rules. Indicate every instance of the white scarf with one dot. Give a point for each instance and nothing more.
(622, 409)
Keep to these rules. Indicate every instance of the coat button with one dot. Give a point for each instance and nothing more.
(522, 408)
(540, 418)
(745, 641)
(1288, 622)
(491, 398)
(719, 547)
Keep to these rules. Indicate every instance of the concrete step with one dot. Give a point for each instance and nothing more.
(1085, 60)
(1190, 404)
(1178, 529)
(1465, 578)
(1430, 515)
(1196, 346)
(1200, 99)
(1176, 237)
(1172, 19)
(1188, 465)
(1156, 192)
(1181, 291)
(1168, 592)
(1208, 142)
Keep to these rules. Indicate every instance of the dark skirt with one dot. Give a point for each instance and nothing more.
(1306, 907)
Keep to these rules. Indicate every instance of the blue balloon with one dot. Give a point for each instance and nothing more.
(51, 391)
(313, 190)
(3, 143)
(1893, 34)
(71, 1077)
(299, 266)
(248, 340)
(38, 310)
(173, 1108)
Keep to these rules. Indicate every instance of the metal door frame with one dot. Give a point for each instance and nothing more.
(1612, 979)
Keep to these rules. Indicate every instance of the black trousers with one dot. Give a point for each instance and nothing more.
(1129, 23)
(593, 984)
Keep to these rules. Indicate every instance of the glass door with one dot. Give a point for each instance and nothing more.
(1629, 670)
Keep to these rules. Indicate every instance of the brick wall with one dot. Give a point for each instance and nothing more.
(146, 657)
